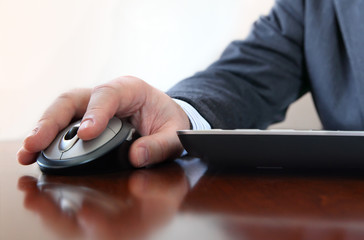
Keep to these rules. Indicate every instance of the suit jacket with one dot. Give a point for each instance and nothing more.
(302, 45)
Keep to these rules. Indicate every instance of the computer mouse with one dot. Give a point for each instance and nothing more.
(68, 154)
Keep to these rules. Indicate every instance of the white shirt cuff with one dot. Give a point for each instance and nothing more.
(197, 121)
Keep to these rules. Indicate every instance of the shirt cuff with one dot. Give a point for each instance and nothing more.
(197, 121)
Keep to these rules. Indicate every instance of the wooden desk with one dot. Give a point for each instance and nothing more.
(159, 203)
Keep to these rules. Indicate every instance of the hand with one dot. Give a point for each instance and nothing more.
(154, 114)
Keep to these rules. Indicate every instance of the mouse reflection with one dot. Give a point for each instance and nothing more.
(126, 205)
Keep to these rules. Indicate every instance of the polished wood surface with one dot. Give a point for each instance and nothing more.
(182, 199)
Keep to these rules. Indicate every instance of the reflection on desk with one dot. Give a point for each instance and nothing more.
(179, 200)
(128, 206)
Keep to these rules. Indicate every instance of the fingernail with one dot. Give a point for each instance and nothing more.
(86, 124)
(142, 156)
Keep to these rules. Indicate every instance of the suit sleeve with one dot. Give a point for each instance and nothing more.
(256, 79)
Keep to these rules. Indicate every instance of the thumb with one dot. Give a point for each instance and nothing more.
(155, 148)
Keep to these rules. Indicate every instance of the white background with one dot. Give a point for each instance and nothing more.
(50, 46)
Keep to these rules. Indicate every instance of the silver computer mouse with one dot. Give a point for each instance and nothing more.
(68, 154)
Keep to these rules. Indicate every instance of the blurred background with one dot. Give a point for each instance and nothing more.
(50, 46)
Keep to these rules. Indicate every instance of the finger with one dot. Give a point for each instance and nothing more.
(155, 148)
(101, 108)
(56, 117)
(120, 97)
(25, 157)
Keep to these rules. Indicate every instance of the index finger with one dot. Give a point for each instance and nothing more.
(123, 97)
(57, 116)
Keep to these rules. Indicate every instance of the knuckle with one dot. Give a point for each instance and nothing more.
(130, 81)
(67, 99)
(107, 88)
(66, 96)
(48, 120)
(128, 78)
(134, 88)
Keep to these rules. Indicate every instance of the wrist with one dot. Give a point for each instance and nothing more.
(197, 122)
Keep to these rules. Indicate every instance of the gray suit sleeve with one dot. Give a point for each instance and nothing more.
(255, 80)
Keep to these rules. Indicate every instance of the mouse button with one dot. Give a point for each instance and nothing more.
(52, 151)
(84, 147)
(115, 124)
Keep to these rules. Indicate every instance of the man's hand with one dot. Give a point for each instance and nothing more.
(154, 114)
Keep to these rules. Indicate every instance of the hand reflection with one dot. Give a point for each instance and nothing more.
(127, 205)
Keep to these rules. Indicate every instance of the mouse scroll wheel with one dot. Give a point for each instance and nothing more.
(69, 139)
(71, 133)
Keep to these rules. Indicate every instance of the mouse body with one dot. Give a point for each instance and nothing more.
(68, 154)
